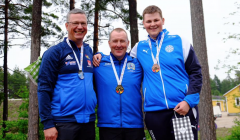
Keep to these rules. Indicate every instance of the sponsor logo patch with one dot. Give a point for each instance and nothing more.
(70, 63)
(107, 64)
(89, 63)
(87, 56)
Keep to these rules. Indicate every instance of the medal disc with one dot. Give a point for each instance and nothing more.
(81, 74)
(119, 89)
(155, 68)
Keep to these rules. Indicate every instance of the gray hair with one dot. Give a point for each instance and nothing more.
(75, 11)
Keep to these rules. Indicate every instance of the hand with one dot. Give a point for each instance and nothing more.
(51, 134)
(96, 59)
(182, 108)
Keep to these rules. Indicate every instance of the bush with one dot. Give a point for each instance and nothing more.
(235, 130)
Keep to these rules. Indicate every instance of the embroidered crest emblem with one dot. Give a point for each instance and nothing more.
(130, 66)
(169, 48)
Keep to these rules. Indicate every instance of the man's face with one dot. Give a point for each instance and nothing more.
(118, 44)
(153, 23)
(76, 27)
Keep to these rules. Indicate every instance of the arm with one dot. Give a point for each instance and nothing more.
(193, 69)
(46, 82)
(133, 52)
(97, 58)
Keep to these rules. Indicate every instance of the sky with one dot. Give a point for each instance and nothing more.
(178, 20)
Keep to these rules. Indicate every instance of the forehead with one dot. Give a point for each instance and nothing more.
(149, 16)
(118, 35)
(78, 17)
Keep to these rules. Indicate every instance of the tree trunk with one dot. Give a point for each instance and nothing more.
(133, 22)
(5, 101)
(206, 119)
(72, 4)
(95, 37)
(33, 114)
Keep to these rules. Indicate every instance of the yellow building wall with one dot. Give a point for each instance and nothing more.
(222, 105)
(231, 101)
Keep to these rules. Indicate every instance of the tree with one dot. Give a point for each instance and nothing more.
(133, 22)
(16, 80)
(217, 82)
(5, 102)
(229, 36)
(206, 119)
(109, 10)
(20, 20)
(33, 117)
(72, 4)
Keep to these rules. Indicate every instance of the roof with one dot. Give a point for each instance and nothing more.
(230, 90)
(214, 97)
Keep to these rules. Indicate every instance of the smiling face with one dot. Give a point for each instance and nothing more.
(77, 28)
(153, 23)
(118, 43)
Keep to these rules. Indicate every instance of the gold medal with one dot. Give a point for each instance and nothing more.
(155, 68)
(119, 89)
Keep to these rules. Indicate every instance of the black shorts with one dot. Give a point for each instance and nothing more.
(76, 131)
(106, 133)
(160, 127)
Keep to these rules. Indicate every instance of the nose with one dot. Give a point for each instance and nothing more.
(79, 25)
(152, 23)
(118, 44)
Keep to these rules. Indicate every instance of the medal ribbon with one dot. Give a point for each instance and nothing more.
(119, 81)
(81, 60)
(156, 60)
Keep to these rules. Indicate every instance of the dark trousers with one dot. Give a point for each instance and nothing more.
(121, 133)
(160, 126)
(76, 131)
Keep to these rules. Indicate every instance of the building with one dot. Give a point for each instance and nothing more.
(233, 100)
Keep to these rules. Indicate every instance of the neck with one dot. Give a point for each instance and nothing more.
(79, 44)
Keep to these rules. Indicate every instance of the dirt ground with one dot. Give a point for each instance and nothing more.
(226, 121)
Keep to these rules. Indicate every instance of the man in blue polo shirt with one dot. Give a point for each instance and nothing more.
(118, 82)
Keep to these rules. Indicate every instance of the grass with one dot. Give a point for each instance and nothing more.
(13, 107)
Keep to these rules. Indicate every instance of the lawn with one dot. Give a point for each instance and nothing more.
(13, 107)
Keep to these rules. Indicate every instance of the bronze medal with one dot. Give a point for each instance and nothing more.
(155, 68)
(119, 89)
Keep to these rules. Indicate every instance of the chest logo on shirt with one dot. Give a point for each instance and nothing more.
(70, 63)
(107, 64)
(130, 66)
(87, 56)
(68, 57)
(89, 63)
(146, 51)
(169, 48)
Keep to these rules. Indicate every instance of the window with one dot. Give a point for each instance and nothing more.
(237, 101)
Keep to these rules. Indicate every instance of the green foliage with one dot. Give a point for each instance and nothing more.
(219, 88)
(16, 81)
(20, 22)
(235, 131)
(18, 129)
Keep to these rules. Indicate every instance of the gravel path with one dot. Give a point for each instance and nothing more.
(225, 121)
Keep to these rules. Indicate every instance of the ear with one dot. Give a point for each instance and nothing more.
(66, 25)
(163, 20)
